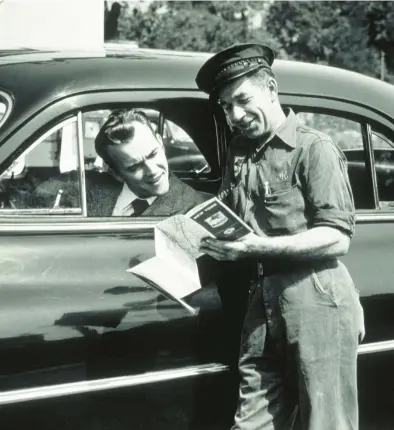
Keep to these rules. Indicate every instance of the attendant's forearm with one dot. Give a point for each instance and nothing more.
(316, 243)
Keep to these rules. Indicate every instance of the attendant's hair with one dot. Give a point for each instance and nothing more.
(262, 75)
(119, 129)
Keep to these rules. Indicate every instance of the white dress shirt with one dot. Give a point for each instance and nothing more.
(123, 205)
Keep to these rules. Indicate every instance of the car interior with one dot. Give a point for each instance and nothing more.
(45, 179)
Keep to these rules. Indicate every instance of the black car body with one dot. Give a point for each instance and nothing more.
(83, 343)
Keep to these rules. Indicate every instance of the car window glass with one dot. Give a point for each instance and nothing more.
(347, 135)
(184, 158)
(182, 153)
(45, 179)
(384, 165)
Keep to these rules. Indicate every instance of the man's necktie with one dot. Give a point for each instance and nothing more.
(139, 206)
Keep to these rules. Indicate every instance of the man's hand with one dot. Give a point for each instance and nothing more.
(248, 246)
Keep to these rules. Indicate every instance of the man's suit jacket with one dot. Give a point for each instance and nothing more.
(103, 191)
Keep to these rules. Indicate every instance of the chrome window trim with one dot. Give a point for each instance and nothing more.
(40, 211)
(55, 128)
(77, 226)
(60, 390)
(374, 347)
(81, 160)
(55, 225)
(375, 216)
(370, 162)
(9, 105)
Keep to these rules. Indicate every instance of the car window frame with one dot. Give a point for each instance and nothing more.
(362, 114)
(75, 119)
(8, 102)
(72, 106)
(382, 137)
(371, 117)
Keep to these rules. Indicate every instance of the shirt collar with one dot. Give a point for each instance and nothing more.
(287, 131)
(127, 196)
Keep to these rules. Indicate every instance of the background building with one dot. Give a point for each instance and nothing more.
(65, 24)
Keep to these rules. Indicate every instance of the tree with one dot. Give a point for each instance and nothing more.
(193, 25)
(334, 33)
(111, 17)
(380, 17)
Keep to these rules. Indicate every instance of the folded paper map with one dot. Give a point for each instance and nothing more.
(173, 270)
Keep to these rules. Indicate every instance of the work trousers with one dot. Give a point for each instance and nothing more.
(299, 351)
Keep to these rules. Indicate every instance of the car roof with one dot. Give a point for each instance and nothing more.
(36, 78)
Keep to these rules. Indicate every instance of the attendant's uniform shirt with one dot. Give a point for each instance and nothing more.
(123, 205)
(295, 181)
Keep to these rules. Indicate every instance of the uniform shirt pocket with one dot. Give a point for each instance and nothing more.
(283, 210)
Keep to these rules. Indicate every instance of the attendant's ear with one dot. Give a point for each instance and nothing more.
(273, 89)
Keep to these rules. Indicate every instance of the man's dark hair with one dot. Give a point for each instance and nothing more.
(119, 129)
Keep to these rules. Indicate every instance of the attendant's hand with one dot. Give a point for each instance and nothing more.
(225, 250)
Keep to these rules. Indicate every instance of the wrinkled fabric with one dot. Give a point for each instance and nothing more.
(296, 181)
(299, 351)
(300, 336)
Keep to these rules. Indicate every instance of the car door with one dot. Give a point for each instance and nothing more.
(366, 138)
(83, 342)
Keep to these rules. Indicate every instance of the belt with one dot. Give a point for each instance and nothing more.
(280, 267)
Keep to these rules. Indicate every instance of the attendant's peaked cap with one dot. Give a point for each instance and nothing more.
(232, 63)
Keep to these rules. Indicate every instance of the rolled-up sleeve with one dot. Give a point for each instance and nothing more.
(328, 192)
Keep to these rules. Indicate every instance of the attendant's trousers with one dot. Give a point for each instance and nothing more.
(299, 351)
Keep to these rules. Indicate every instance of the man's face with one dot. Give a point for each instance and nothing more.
(248, 104)
(142, 163)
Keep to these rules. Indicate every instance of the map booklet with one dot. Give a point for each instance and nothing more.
(173, 270)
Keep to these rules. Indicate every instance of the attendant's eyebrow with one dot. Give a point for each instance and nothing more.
(235, 98)
(241, 96)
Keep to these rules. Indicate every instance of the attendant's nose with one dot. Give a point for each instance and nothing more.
(237, 114)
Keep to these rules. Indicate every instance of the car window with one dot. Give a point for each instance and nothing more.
(44, 179)
(184, 157)
(384, 165)
(347, 135)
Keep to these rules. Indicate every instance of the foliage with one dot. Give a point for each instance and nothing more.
(347, 34)
(327, 32)
(380, 17)
(192, 25)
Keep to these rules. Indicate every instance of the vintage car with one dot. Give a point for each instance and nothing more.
(86, 344)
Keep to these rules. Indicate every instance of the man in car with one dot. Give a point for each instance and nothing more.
(143, 186)
(304, 320)
(138, 183)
